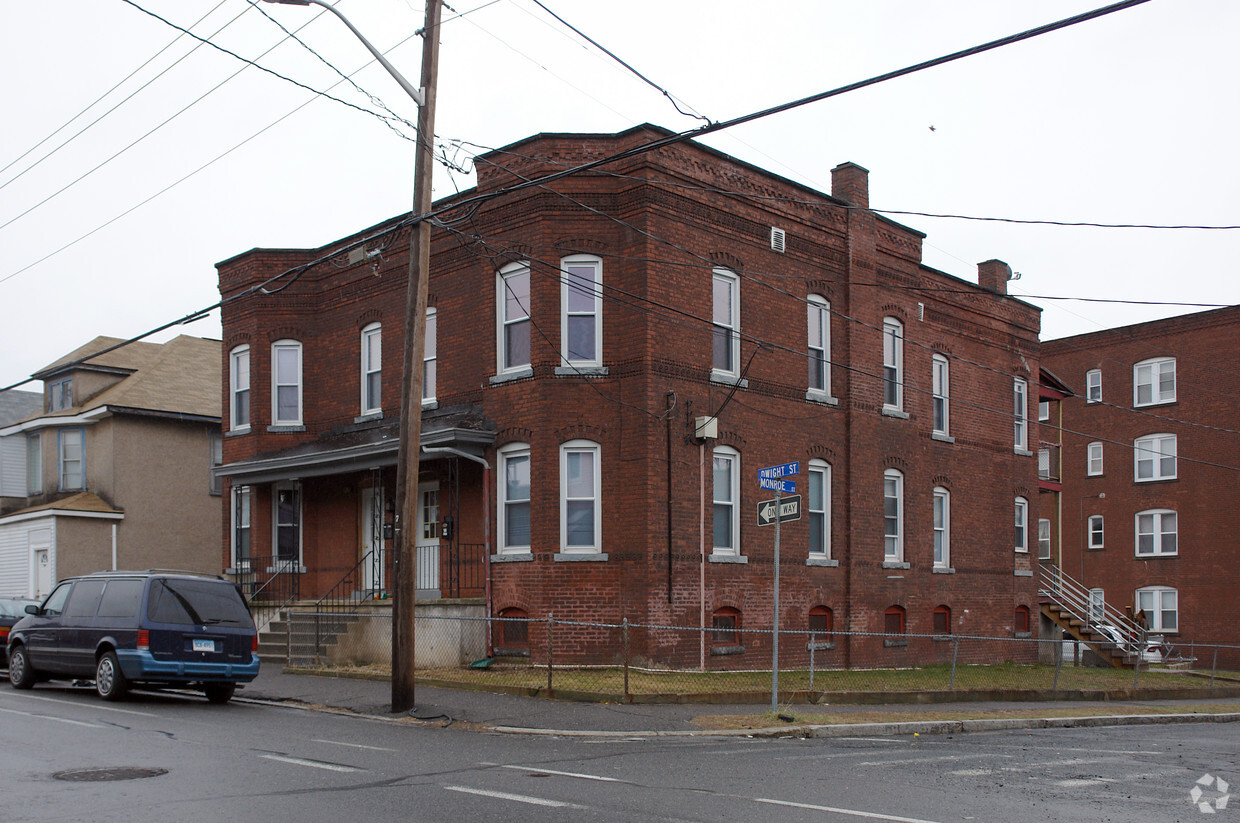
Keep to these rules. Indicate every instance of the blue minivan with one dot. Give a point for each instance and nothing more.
(153, 628)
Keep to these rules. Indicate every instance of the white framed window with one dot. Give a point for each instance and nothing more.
(726, 501)
(1161, 607)
(215, 451)
(942, 528)
(940, 388)
(372, 369)
(818, 326)
(1093, 458)
(1097, 605)
(514, 499)
(513, 302)
(581, 311)
(1044, 538)
(72, 460)
(1044, 464)
(1156, 533)
(1022, 524)
(1044, 410)
(1020, 414)
(818, 504)
(893, 516)
(430, 358)
(580, 481)
(1095, 532)
(60, 394)
(1153, 382)
(241, 502)
(287, 523)
(1154, 456)
(286, 383)
(34, 463)
(893, 364)
(239, 389)
(1093, 386)
(726, 324)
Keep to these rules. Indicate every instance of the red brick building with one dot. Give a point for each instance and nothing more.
(611, 359)
(1150, 461)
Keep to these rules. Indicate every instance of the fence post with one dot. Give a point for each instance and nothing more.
(1058, 662)
(288, 636)
(550, 647)
(627, 697)
(813, 641)
(951, 686)
(1213, 666)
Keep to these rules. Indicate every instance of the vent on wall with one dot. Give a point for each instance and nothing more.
(777, 239)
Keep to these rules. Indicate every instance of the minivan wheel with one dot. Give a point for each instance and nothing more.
(21, 673)
(219, 692)
(110, 681)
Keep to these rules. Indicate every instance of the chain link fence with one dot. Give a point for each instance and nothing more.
(651, 663)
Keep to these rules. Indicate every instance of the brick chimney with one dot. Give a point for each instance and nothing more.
(851, 183)
(994, 275)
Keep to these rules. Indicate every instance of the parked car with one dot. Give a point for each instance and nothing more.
(154, 628)
(12, 609)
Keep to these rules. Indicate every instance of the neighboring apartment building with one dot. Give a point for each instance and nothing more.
(117, 465)
(610, 361)
(14, 406)
(1151, 460)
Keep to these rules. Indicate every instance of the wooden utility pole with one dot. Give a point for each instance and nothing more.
(412, 375)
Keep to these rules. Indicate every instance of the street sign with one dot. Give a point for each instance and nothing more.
(788, 509)
(781, 486)
(786, 470)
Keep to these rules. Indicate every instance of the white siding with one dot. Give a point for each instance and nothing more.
(13, 466)
(16, 573)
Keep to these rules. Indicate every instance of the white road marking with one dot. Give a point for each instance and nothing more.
(873, 739)
(352, 745)
(537, 770)
(1081, 782)
(1026, 767)
(56, 719)
(516, 798)
(853, 812)
(315, 764)
(946, 758)
(93, 707)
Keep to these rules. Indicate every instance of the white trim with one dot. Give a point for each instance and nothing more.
(733, 457)
(1089, 532)
(86, 418)
(1155, 457)
(233, 389)
(893, 360)
(1020, 414)
(371, 331)
(509, 452)
(1156, 366)
(818, 309)
(594, 450)
(276, 347)
(1088, 387)
(945, 562)
(1022, 512)
(1089, 459)
(822, 467)
(897, 554)
(430, 354)
(20, 517)
(502, 321)
(1158, 518)
(567, 289)
(1154, 621)
(940, 389)
(732, 324)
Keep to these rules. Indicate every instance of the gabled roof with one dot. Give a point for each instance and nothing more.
(180, 377)
(14, 405)
(83, 503)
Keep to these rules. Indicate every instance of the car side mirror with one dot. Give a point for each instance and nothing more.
(32, 609)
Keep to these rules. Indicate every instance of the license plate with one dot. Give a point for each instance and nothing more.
(204, 645)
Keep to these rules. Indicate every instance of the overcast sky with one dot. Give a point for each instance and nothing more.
(1131, 118)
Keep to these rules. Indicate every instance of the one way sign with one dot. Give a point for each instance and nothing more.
(788, 508)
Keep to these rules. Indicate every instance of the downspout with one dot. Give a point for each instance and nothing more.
(113, 547)
(702, 546)
(486, 524)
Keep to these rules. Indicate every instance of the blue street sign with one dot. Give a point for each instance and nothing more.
(782, 486)
(786, 470)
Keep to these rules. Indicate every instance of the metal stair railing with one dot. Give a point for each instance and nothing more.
(1072, 598)
(341, 599)
(275, 588)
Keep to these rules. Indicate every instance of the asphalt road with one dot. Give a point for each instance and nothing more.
(67, 756)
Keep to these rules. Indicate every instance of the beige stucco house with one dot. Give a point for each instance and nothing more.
(118, 465)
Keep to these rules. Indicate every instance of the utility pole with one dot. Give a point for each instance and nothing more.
(412, 376)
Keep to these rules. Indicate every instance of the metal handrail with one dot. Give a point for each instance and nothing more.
(284, 582)
(334, 603)
(1072, 596)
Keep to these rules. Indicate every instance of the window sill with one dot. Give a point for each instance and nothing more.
(512, 557)
(1024, 573)
(895, 642)
(1022, 634)
(821, 398)
(820, 647)
(430, 403)
(942, 438)
(728, 558)
(368, 417)
(286, 427)
(727, 379)
(822, 561)
(1096, 548)
(942, 638)
(508, 377)
(1022, 451)
(237, 432)
(889, 411)
(1143, 481)
(942, 570)
(1156, 555)
(894, 564)
(723, 650)
(581, 371)
(581, 557)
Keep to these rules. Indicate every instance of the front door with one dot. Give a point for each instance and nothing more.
(372, 535)
(40, 543)
(428, 540)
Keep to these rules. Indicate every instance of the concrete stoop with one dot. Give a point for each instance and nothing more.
(289, 639)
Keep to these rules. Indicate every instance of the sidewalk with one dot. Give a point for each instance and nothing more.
(512, 713)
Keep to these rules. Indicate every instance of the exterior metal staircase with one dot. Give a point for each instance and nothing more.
(1109, 633)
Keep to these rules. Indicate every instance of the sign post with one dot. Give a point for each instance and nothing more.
(772, 478)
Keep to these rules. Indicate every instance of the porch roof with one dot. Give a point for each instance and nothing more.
(342, 452)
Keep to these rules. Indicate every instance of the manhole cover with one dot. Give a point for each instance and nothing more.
(108, 773)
